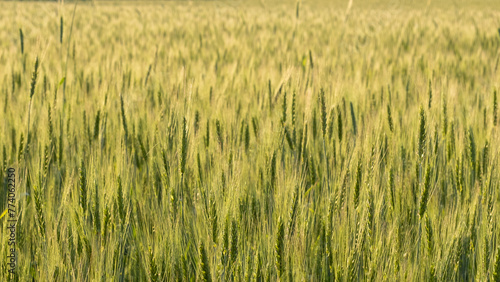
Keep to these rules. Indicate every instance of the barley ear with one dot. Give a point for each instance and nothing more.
(153, 268)
(496, 269)
(196, 124)
(422, 133)
(106, 222)
(311, 59)
(248, 266)
(83, 187)
(204, 265)
(279, 248)
(472, 149)
(353, 119)
(430, 93)
(389, 118)
(61, 29)
(258, 269)
(357, 185)
(233, 252)
(323, 112)
(207, 136)
(39, 209)
(283, 110)
(247, 137)
(21, 37)
(20, 153)
(96, 124)
(272, 171)
(429, 234)
(220, 139)
(339, 124)
(288, 138)
(297, 10)
(33, 78)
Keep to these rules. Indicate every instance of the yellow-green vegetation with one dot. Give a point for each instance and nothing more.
(231, 141)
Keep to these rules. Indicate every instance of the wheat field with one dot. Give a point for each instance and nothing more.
(250, 141)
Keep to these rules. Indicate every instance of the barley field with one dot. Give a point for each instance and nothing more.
(250, 141)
